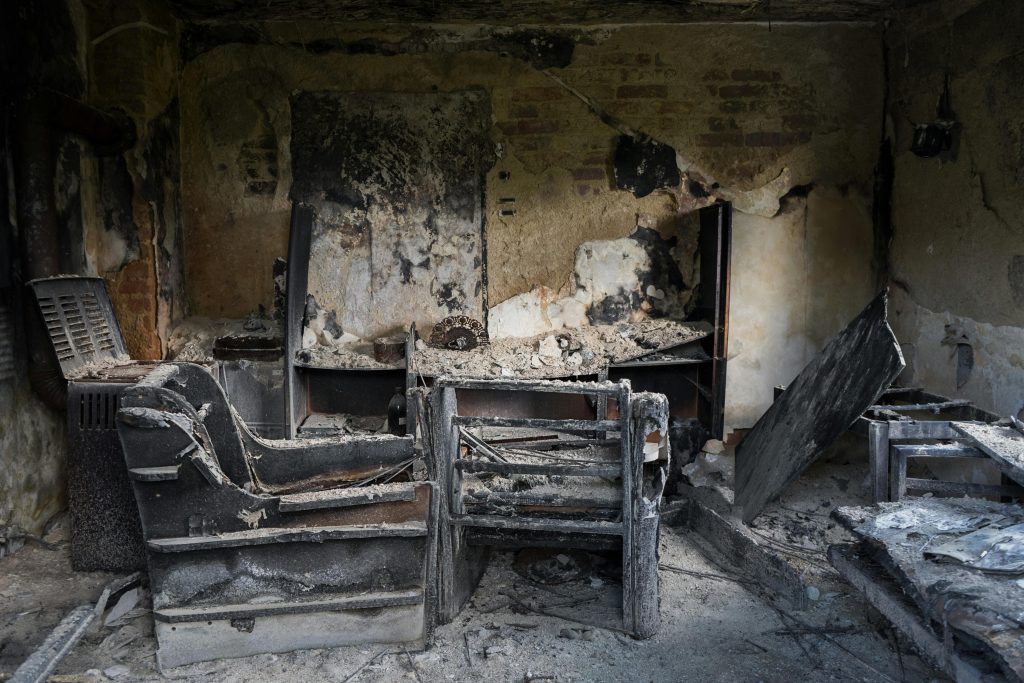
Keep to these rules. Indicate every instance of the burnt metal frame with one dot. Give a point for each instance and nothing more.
(639, 415)
(210, 494)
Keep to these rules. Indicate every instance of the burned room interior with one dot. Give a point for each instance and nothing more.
(658, 340)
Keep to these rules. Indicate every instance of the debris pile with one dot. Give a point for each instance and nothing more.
(583, 351)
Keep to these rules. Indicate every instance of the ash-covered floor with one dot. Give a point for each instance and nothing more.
(535, 617)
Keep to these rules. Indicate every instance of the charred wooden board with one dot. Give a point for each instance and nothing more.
(1005, 445)
(839, 384)
(963, 605)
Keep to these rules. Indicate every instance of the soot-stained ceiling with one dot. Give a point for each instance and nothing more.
(537, 11)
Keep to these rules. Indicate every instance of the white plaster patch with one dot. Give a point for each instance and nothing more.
(609, 268)
(524, 315)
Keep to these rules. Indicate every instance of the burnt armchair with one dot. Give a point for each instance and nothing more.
(256, 546)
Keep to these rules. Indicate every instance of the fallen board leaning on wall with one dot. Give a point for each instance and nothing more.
(839, 384)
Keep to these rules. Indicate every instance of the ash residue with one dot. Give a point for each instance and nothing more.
(347, 355)
(583, 351)
(192, 340)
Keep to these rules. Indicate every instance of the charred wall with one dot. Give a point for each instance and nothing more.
(40, 43)
(738, 107)
(133, 236)
(958, 217)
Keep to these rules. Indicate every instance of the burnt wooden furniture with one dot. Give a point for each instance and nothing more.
(622, 513)
(964, 620)
(257, 546)
(909, 423)
(311, 391)
(828, 395)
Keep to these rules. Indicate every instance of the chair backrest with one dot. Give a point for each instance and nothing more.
(188, 389)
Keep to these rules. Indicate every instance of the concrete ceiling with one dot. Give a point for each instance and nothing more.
(535, 11)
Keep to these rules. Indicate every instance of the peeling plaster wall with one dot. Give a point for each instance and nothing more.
(797, 279)
(738, 102)
(957, 255)
(133, 235)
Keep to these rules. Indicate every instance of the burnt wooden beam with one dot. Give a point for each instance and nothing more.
(828, 395)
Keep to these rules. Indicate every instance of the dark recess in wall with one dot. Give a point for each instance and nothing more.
(643, 165)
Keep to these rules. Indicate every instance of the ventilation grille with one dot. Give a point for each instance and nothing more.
(6, 344)
(97, 408)
(79, 320)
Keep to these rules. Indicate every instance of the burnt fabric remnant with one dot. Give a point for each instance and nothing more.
(643, 165)
(839, 384)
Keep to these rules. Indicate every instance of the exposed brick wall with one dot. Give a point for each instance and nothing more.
(136, 72)
(737, 100)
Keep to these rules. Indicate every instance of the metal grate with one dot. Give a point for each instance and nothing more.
(98, 406)
(79, 320)
(6, 344)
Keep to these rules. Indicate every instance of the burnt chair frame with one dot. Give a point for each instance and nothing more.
(462, 559)
(257, 546)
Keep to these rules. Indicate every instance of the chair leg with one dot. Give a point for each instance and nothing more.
(878, 450)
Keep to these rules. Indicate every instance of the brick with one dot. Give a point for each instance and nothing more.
(589, 174)
(719, 125)
(523, 111)
(507, 127)
(755, 75)
(799, 122)
(776, 139)
(715, 75)
(675, 107)
(729, 92)
(630, 92)
(537, 126)
(582, 190)
(721, 140)
(732, 106)
(532, 144)
(537, 93)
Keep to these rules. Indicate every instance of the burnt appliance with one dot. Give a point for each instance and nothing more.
(88, 347)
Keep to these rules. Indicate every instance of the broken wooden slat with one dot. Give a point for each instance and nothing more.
(1005, 445)
(828, 395)
(938, 450)
(480, 446)
(934, 407)
(557, 500)
(566, 425)
(177, 615)
(577, 526)
(350, 497)
(550, 470)
(540, 386)
(181, 544)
